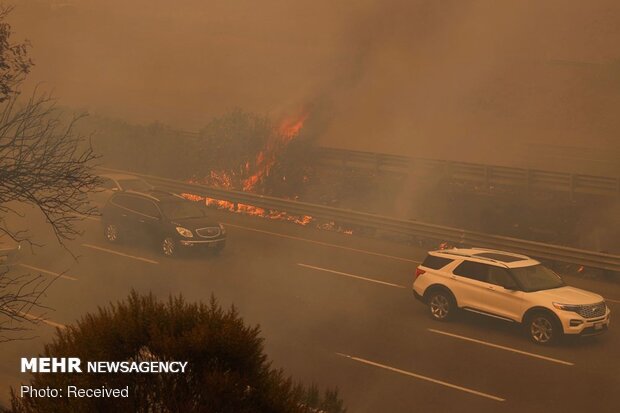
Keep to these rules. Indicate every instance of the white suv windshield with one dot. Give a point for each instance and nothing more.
(536, 277)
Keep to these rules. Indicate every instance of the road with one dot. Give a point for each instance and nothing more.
(338, 310)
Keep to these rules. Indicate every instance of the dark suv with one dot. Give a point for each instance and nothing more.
(169, 221)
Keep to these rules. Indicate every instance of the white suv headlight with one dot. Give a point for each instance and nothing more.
(185, 232)
(566, 307)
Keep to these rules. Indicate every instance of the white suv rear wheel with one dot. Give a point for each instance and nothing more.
(441, 305)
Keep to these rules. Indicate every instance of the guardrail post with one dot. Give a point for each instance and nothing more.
(447, 171)
(345, 159)
(378, 162)
(487, 179)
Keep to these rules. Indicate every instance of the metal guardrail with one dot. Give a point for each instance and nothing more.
(393, 225)
(487, 175)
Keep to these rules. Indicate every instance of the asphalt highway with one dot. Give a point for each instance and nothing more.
(337, 310)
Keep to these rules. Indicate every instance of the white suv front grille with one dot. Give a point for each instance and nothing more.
(592, 310)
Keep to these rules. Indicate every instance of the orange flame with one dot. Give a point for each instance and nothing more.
(250, 210)
(288, 129)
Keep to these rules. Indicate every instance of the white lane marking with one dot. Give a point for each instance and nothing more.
(327, 244)
(419, 376)
(613, 301)
(43, 320)
(351, 275)
(514, 350)
(55, 274)
(120, 253)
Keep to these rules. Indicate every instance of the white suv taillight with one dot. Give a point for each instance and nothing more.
(419, 271)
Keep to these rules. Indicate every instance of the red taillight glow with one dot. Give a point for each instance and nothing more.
(418, 272)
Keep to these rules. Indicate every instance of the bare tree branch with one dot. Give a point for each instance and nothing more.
(43, 164)
(20, 303)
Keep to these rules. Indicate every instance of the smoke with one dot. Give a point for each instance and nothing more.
(472, 79)
(476, 79)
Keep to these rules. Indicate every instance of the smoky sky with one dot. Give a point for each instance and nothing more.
(432, 78)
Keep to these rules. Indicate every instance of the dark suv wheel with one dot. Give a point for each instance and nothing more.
(543, 328)
(168, 247)
(111, 232)
(441, 305)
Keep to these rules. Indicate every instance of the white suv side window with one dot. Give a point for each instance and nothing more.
(473, 270)
(436, 263)
(499, 276)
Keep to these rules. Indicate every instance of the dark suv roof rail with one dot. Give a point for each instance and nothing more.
(153, 194)
(144, 194)
(162, 192)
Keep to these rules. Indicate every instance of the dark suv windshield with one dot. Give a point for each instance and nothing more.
(537, 277)
(182, 209)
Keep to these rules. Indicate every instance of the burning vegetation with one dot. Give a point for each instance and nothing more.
(241, 151)
(279, 166)
(250, 153)
(254, 172)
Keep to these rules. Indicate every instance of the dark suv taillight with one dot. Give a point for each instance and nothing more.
(419, 271)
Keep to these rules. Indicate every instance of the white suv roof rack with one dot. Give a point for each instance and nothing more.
(512, 254)
(469, 255)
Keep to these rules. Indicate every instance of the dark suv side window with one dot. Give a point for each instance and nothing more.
(144, 207)
(137, 204)
(434, 262)
(473, 270)
(122, 200)
(150, 209)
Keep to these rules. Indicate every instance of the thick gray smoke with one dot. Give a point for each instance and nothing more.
(475, 79)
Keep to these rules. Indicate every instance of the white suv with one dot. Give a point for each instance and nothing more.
(510, 287)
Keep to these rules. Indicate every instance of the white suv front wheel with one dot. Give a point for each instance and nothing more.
(441, 305)
(543, 329)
